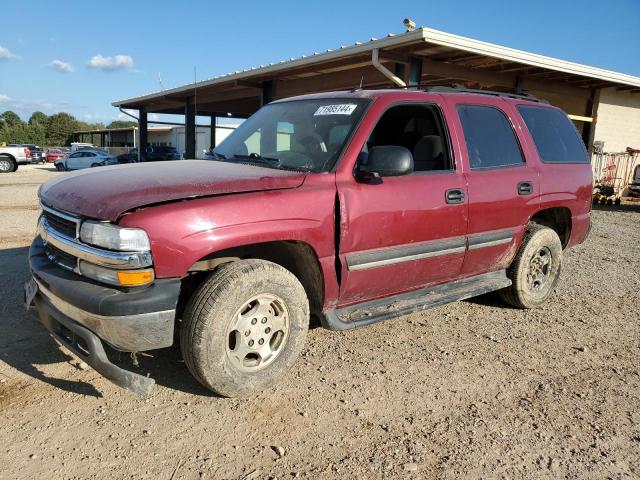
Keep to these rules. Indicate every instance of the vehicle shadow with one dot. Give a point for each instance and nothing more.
(491, 299)
(165, 366)
(625, 207)
(47, 168)
(26, 345)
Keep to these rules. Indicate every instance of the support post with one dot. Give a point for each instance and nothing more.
(267, 92)
(190, 130)
(214, 122)
(399, 71)
(415, 72)
(589, 128)
(144, 133)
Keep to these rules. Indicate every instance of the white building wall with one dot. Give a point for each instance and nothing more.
(175, 137)
(617, 120)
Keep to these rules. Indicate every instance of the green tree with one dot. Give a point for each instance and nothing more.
(122, 124)
(22, 133)
(38, 118)
(10, 118)
(59, 128)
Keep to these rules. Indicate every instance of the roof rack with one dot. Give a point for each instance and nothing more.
(456, 87)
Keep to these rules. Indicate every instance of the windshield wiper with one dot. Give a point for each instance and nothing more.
(259, 158)
(217, 155)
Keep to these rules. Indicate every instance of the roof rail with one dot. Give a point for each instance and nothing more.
(457, 88)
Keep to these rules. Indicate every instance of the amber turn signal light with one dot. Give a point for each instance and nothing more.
(135, 278)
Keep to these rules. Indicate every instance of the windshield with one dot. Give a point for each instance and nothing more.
(307, 135)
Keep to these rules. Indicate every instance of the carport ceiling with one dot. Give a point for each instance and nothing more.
(443, 58)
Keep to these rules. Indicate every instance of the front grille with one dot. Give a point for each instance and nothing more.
(61, 225)
(59, 257)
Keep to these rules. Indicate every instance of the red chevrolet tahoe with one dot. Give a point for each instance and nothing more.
(352, 207)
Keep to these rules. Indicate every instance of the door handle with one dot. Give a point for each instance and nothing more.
(525, 188)
(454, 196)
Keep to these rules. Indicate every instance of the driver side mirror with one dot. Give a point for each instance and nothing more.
(386, 161)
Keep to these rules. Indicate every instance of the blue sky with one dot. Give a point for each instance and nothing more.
(107, 51)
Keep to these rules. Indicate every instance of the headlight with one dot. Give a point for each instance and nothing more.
(125, 278)
(114, 238)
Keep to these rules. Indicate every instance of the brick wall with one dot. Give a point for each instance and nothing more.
(618, 120)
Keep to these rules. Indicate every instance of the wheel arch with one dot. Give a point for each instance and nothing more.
(298, 257)
(556, 218)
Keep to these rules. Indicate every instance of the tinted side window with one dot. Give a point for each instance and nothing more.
(491, 141)
(555, 137)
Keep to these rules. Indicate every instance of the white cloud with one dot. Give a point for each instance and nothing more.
(93, 117)
(60, 66)
(25, 108)
(110, 64)
(6, 54)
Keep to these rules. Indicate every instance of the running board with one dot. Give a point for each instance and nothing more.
(379, 310)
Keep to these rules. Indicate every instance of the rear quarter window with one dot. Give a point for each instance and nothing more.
(556, 139)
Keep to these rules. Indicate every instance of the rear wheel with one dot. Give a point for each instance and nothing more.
(244, 327)
(536, 268)
(7, 164)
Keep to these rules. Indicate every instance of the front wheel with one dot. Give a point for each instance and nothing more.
(60, 167)
(244, 327)
(536, 268)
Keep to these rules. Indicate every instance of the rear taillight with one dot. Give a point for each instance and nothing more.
(27, 152)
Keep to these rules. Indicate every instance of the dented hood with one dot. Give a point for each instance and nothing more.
(105, 193)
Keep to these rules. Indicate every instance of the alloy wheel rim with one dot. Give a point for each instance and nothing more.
(5, 165)
(257, 332)
(539, 270)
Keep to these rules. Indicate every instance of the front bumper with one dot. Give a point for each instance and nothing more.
(87, 345)
(75, 308)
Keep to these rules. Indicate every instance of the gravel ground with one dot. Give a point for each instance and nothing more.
(469, 390)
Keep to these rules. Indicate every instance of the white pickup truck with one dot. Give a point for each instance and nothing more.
(11, 157)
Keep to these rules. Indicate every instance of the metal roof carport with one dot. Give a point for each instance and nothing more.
(421, 57)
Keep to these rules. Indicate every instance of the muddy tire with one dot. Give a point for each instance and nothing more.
(536, 268)
(244, 327)
(7, 164)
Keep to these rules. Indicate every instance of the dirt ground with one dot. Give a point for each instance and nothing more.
(469, 390)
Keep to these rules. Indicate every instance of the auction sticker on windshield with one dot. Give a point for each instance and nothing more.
(341, 109)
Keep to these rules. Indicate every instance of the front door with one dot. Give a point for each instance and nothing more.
(402, 233)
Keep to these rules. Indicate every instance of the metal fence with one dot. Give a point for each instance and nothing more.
(116, 150)
(615, 170)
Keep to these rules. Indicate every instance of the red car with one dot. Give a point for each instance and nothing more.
(54, 154)
(354, 207)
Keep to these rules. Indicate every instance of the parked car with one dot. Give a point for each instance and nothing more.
(12, 156)
(53, 154)
(75, 146)
(354, 207)
(36, 152)
(85, 159)
(130, 157)
(152, 153)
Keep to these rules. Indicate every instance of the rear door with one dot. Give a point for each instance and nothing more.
(503, 186)
(401, 233)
